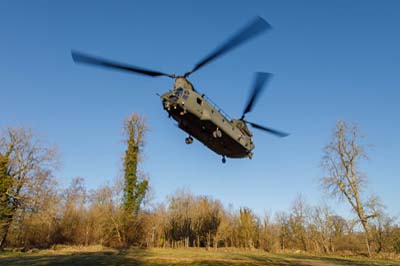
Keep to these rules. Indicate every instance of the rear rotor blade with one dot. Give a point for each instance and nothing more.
(269, 130)
(79, 57)
(257, 26)
(259, 84)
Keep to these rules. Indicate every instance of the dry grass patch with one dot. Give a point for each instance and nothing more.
(98, 255)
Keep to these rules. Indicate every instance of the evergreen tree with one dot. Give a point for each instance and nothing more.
(135, 188)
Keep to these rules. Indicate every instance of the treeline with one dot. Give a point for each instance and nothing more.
(36, 212)
(80, 217)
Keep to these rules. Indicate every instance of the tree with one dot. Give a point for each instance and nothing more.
(323, 222)
(344, 180)
(181, 208)
(6, 206)
(248, 227)
(382, 232)
(269, 235)
(282, 219)
(206, 220)
(135, 183)
(106, 216)
(26, 164)
(298, 221)
(35, 222)
(73, 226)
(134, 189)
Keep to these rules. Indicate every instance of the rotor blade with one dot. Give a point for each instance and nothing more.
(269, 130)
(254, 28)
(79, 57)
(259, 82)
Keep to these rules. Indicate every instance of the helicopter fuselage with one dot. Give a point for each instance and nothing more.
(203, 120)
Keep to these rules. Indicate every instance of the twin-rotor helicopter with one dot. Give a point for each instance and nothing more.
(195, 113)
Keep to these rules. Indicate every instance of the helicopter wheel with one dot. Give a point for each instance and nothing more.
(223, 159)
(189, 140)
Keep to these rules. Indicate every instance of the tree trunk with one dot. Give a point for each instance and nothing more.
(120, 240)
(4, 231)
(366, 233)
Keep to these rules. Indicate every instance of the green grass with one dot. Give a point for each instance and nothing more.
(177, 257)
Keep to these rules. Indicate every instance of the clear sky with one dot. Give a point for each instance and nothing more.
(331, 60)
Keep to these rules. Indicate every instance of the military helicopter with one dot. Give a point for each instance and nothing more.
(195, 113)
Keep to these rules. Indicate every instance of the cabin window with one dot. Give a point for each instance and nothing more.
(185, 94)
(199, 101)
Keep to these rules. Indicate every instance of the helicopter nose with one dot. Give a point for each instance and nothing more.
(167, 105)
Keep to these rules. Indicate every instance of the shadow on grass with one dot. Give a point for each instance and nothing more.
(139, 257)
(92, 258)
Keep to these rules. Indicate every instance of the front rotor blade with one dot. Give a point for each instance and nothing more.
(79, 57)
(259, 84)
(269, 130)
(257, 26)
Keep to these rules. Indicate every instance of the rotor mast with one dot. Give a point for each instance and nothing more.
(182, 82)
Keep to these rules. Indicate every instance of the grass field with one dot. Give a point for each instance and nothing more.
(192, 257)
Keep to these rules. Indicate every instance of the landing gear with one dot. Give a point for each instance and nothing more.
(189, 140)
(223, 159)
(217, 133)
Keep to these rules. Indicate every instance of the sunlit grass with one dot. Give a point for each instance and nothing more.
(97, 255)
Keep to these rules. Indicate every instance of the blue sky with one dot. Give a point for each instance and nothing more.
(331, 60)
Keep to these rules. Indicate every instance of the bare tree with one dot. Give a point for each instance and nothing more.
(282, 220)
(298, 221)
(382, 232)
(73, 223)
(323, 222)
(269, 235)
(25, 163)
(344, 179)
(248, 227)
(108, 215)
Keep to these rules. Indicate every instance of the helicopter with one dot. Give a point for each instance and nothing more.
(195, 113)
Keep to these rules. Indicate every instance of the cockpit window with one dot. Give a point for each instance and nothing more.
(178, 92)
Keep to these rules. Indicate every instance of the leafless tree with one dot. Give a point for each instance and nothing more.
(28, 166)
(248, 228)
(73, 224)
(282, 220)
(107, 215)
(344, 179)
(269, 235)
(382, 232)
(298, 222)
(323, 222)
